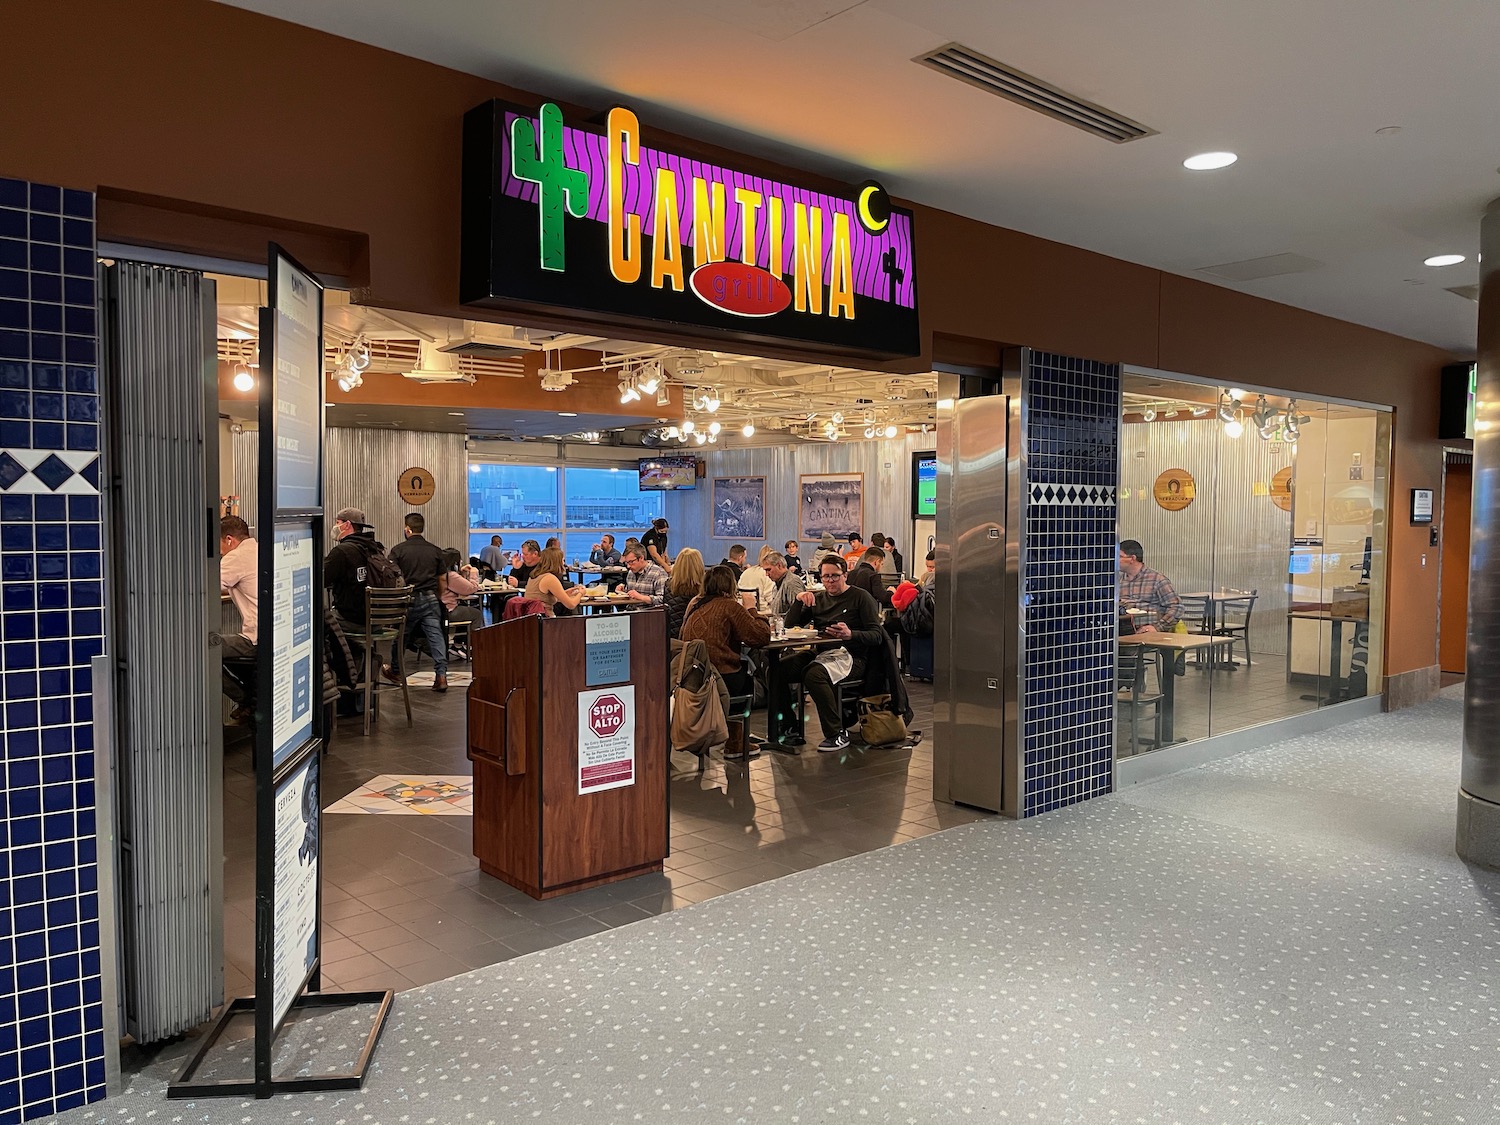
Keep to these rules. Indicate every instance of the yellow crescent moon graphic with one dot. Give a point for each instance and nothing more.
(867, 220)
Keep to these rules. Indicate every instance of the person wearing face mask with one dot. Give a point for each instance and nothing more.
(347, 567)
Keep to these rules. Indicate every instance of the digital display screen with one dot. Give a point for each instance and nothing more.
(924, 485)
(668, 474)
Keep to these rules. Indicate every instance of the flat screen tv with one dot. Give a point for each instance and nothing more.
(924, 485)
(1456, 404)
(668, 474)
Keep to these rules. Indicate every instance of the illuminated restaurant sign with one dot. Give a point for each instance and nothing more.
(591, 224)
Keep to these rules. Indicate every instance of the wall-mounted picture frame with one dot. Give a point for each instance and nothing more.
(739, 508)
(831, 502)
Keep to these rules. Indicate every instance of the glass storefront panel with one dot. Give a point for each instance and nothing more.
(575, 504)
(1265, 514)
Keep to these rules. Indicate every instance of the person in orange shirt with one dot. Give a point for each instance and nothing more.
(856, 548)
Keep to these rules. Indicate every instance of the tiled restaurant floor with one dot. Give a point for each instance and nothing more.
(405, 902)
(1214, 701)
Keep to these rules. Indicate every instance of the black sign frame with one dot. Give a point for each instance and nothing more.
(501, 269)
(273, 775)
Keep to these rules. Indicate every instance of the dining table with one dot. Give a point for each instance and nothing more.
(785, 733)
(1169, 645)
(1338, 682)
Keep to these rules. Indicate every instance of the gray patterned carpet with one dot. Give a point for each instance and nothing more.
(1282, 937)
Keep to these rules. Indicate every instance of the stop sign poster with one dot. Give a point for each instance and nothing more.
(606, 739)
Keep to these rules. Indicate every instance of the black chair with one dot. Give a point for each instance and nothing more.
(739, 744)
(1234, 621)
(848, 692)
(385, 622)
(1132, 697)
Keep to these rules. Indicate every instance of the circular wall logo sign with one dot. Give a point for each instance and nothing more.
(1174, 489)
(1281, 489)
(415, 486)
(606, 716)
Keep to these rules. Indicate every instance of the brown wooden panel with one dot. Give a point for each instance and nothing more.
(486, 730)
(1453, 628)
(596, 834)
(507, 809)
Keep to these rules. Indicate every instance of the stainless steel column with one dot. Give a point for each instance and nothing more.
(1479, 791)
(974, 639)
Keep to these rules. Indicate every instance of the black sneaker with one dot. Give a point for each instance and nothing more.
(838, 742)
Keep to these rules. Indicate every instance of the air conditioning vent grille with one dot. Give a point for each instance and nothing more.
(958, 61)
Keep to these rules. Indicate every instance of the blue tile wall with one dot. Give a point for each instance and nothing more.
(1071, 433)
(51, 626)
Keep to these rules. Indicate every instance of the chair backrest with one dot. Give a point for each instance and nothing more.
(1130, 669)
(385, 608)
(1235, 612)
(523, 607)
(1194, 611)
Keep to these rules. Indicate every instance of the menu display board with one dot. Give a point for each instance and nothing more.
(292, 686)
(297, 387)
(294, 940)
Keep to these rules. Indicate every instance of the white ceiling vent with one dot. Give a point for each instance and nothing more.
(958, 61)
(1253, 269)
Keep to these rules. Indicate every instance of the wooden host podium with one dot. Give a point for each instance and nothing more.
(533, 828)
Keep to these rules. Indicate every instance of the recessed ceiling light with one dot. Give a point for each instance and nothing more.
(1208, 161)
(1443, 260)
(566, 414)
(455, 413)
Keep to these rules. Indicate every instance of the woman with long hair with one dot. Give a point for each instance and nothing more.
(546, 584)
(686, 584)
(720, 621)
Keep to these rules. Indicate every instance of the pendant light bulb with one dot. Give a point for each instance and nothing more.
(749, 430)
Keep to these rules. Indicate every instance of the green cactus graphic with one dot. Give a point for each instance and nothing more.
(558, 185)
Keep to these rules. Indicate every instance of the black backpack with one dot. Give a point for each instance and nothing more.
(381, 573)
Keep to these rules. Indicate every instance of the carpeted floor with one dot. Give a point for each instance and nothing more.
(1285, 936)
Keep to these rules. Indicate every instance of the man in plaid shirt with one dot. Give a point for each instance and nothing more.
(1144, 588)
(646, 581)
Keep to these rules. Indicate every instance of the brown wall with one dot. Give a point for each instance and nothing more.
(207, 127)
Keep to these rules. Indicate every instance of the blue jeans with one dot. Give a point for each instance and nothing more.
(426, 617)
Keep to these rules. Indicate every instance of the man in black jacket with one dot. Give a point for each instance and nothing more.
(346, 570)
(425, 569)
(865, 575)
(847, 614)
(735, 560)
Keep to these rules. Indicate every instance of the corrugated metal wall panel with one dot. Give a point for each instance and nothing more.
(164, 461)
(360, 469)
(245, 455)
(886, 465)
(1228, 536)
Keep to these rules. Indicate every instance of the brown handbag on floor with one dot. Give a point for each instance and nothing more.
(699, 701)
(880, 726)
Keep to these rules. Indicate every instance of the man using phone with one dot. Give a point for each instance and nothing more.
(843, 613)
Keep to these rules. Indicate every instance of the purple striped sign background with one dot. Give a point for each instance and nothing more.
(588, 151)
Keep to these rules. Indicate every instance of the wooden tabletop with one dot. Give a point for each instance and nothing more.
(1175, 640)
